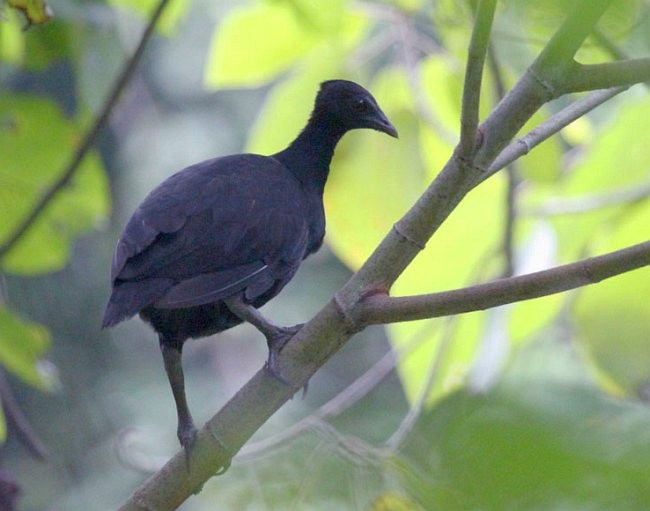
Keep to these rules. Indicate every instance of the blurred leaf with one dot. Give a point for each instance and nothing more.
(49, 43)
(36, 142)
(540, 20)
(392, 501)
(12, 41)
(289, 103)
(614, 316)
(542, 164)
(22, 345)
(37, 12)
(34, 49)
(174, 11)
(579, 132)
(544, 439)
(620, 145)
(442, 84)
(256, 43)
(317, 474)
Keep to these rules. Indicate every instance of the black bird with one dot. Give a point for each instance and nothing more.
(219, 239)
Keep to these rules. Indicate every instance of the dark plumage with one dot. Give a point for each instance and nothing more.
(219, 239)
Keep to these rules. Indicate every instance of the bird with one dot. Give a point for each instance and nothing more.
(219, 239)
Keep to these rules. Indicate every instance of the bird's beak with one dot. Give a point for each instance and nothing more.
(381, 123)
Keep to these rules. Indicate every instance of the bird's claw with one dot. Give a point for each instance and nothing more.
(186, 436)
(275, 343)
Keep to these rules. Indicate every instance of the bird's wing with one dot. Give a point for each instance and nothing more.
(214, 229)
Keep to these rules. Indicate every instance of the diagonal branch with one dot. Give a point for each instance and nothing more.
(89, 139)
(551, 126)
(478, 48)
(380, 309)
(333, 325)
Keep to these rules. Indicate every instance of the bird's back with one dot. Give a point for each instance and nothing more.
(213, 229)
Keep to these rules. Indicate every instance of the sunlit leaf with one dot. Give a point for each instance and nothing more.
(256, 43)
(12, 41)
(543, 162)
(289, 103)
(36, 141)
(22, 345)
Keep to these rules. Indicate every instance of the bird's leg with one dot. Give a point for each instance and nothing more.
(276, 336)
(172, 352)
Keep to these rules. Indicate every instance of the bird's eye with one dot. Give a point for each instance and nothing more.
(361, 106)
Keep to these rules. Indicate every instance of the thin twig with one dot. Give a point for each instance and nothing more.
(512, 173)
(552, 125)
(473, 77)
(16, 418)
(89, 139)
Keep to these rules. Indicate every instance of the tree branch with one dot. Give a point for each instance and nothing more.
(333, 325)
(609, 74)
(478, 47)
(380, 309)
(552, 125)
(89, 139)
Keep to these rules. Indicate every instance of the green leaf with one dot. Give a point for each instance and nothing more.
(545, 439)
(12, 41)
(289, 103)
(617, 158)
(542, 164)
(256, 43)
(36, 141)
(22, 345)
(614, 315)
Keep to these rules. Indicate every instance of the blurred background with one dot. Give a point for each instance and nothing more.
(537, 405)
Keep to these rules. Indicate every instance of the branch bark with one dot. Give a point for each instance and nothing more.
(551, 126)
(379, 309)
(88, 140)
(331, 327)
(478, 48)
(609, 74)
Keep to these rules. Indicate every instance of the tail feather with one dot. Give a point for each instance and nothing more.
(129, 298)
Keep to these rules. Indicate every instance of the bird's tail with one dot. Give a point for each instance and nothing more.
(129, 298)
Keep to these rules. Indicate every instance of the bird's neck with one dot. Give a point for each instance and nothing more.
(309, 155)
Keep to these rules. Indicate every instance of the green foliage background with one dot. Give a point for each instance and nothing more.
(531, 406)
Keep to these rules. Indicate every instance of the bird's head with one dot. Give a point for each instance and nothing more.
(350, 106)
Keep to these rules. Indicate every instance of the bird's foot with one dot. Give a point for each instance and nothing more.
(186, 436)
(276, 341)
